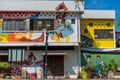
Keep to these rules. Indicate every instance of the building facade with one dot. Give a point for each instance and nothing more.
(97, 31)
(98, 36)
(23, 28)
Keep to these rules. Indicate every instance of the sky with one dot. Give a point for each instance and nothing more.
(105, 5)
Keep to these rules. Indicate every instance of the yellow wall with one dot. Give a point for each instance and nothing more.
(97, 24)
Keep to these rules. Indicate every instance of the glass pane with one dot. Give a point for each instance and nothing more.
(14, 55)
(17, 25)
(13, 24)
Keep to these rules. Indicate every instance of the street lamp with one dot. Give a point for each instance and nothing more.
(46, 54)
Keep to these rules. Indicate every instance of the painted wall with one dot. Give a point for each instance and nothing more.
(97, 24)
(70, 59)
(33, 63)
(69, 34)
(70, 63)
(39, 5)
(106, 57)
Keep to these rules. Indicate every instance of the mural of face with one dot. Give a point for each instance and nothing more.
(31, 58)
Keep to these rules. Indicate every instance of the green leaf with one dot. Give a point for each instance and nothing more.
(118, 22)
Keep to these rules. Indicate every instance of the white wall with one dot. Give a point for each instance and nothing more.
(37, 5)
(70, 59)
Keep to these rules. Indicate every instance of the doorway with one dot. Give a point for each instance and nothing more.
(55, 65)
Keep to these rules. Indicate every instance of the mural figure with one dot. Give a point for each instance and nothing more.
(77, 6)
(88, 57)
(62, 30)
(62, 7)
(32, 69)
(99, 69)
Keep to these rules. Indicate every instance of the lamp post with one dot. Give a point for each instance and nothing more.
(46, 57)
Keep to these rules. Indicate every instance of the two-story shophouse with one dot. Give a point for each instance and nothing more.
(98, 36)
(23, 26)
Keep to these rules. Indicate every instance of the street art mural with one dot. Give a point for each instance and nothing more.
(25, 37)
(31, 68)
(87, 42)
(63, 28)
(63, 32)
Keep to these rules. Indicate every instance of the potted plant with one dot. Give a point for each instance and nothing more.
(4, 66)
(83, 73)
(110, 69)
(86, 72)
(90, 70)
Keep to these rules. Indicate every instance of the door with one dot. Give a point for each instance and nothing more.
(55, 65)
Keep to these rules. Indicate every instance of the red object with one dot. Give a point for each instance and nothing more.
(31, 76)
(61, 7)
(17, 14)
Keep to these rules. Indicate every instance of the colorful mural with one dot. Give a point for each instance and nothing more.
(21, 37)
(24, 37)
(62, 33)
(87, 42)
(91, 29)
(62, 29)
(61, 7)
(31, 68)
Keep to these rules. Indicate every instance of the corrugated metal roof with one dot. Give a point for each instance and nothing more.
(37, 5)
(99, 14)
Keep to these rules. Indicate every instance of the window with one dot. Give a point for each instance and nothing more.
(40, 24)
(103, 34)
(73, 21)
(16, 54)
(14, 25)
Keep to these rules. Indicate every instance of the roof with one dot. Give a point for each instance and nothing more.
(98, 14)
(38, 5)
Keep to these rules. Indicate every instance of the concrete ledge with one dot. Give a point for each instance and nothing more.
(62, 79)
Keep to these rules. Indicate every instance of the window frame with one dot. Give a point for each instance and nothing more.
(100, 34)
(14, 25)
(34, 24)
